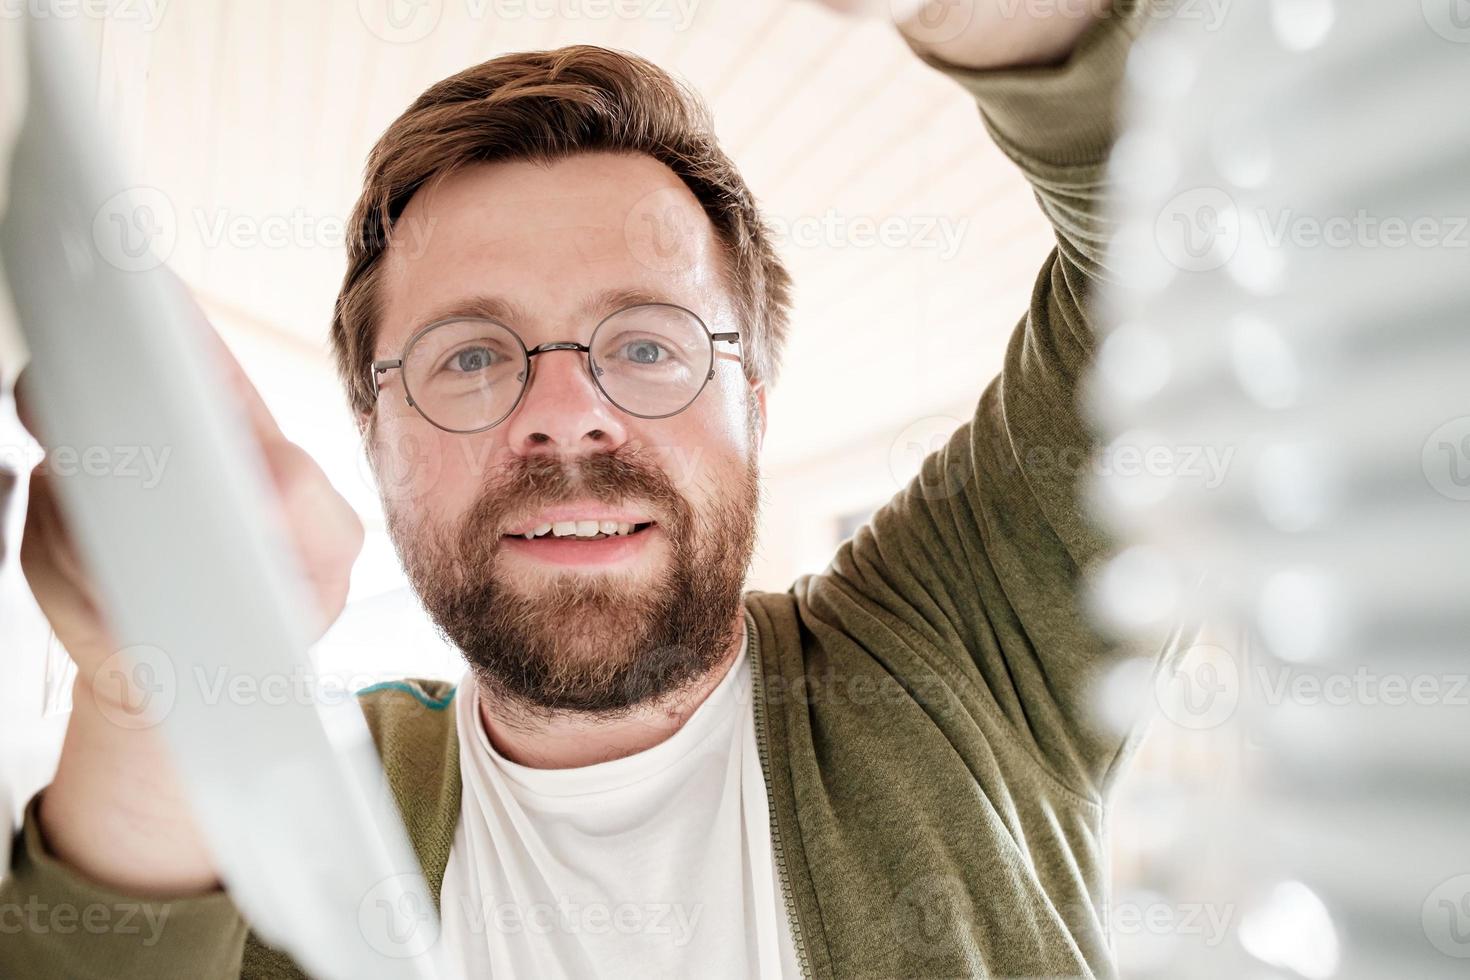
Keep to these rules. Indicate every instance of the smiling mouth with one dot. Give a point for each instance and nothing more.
(584, 544)
(582, 530)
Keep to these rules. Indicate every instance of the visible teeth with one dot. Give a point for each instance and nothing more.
(580, 529)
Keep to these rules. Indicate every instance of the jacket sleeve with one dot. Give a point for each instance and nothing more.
(56, 925)
(980, 560)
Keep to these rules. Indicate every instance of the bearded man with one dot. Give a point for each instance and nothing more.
(560, 319)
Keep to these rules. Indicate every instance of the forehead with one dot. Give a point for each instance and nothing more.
(550, 242)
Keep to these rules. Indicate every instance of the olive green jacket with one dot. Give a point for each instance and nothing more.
(936, 772)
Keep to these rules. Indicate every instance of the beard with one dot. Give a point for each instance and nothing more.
(594, 644)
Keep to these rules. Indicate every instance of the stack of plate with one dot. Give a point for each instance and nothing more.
(1286, 370)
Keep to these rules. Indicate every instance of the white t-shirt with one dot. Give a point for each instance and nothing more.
(655, 865)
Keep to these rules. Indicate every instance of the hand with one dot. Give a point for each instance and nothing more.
(327, 533)
(115, 810)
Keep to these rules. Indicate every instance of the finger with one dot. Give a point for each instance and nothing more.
(261, 420)
(23, 409)
(44, 514)
(7, 490)
(62, 597)
(262, 423)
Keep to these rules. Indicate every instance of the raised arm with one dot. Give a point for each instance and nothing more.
(979, 562)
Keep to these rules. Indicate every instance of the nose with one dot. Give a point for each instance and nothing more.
(563, 411)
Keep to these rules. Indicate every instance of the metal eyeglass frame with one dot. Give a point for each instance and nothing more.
(382, 367)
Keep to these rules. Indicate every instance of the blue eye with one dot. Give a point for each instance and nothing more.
(644, 352)
(472, 359)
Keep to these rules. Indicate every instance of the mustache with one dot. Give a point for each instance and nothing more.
(529, 483)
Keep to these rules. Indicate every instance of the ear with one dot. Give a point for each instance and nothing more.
(758, 396)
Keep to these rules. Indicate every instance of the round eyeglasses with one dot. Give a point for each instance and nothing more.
(467, 374)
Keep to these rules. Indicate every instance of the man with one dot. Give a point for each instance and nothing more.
(893, 769)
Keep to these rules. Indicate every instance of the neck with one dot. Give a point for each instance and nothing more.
(568, 740)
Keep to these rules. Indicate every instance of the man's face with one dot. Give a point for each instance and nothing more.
(564, 623)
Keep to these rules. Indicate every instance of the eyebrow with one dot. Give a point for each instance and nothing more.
(512, 314)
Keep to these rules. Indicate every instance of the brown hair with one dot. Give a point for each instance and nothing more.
(541, 106)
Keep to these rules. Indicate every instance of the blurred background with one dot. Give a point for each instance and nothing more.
(912, 241)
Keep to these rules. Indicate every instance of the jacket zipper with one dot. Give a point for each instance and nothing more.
(758, 706)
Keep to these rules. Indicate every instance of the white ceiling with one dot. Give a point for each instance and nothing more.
(254, 119)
